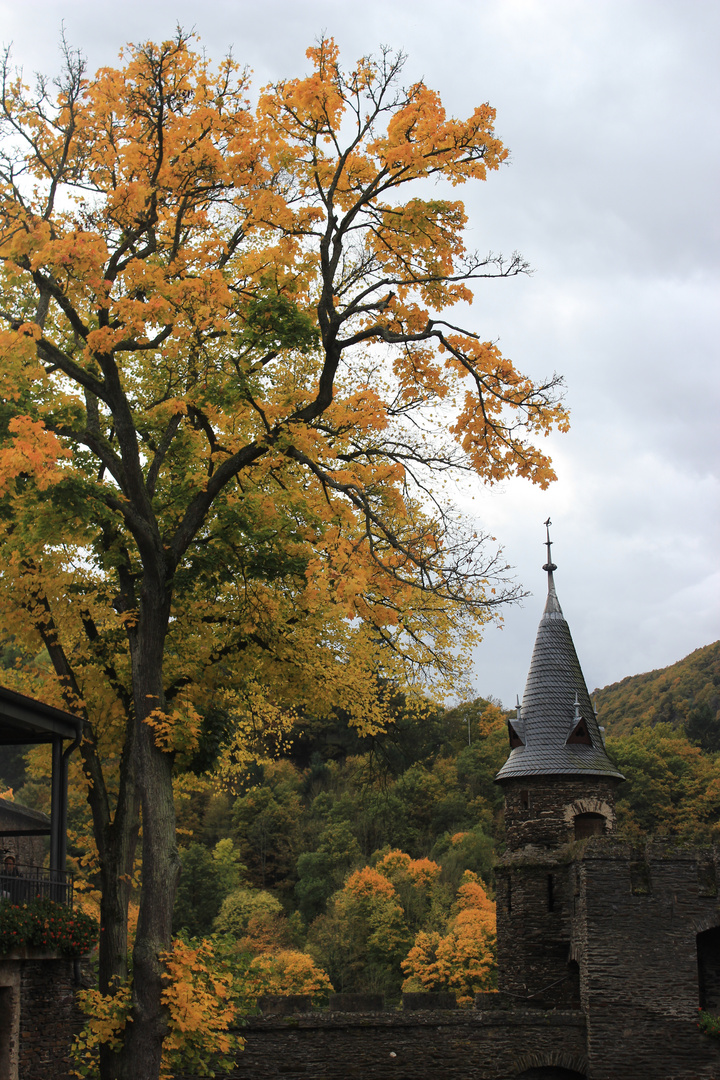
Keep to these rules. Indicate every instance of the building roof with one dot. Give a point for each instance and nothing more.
(23, 721)
(22, 815)
(555, 702)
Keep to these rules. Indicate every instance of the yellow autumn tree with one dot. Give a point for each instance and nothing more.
(461, 960)
(228, 387)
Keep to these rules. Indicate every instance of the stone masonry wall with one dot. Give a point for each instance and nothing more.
(552, 802)
(28, 850)
(49, 1018)
(637, 914)
(534, 931)
(457, 1045)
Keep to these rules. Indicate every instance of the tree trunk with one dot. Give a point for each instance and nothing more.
(116, 872)
(142, 1049)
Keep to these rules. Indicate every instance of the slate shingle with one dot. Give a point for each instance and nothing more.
(548, 708)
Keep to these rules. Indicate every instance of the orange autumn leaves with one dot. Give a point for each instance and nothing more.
(229, 400)
(462, 959)
(395, 916)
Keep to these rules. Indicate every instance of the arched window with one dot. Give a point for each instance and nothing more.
(589, 825)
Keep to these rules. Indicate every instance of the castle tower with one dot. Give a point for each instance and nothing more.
(559, 782)
(559, 788)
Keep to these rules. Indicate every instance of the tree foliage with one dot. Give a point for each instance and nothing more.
(462, 959)
(228, 386)
(672, 787)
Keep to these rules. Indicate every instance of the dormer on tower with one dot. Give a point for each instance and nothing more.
(559, 782)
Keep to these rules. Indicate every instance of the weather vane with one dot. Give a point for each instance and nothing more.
(549, 565)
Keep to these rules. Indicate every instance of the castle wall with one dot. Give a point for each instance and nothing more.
(636, 919)
(462, 1044)
(534, 931)
(540, 810)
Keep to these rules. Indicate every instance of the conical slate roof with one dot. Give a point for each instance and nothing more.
(555, 704)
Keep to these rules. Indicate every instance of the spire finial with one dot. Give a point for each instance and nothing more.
(549, 565)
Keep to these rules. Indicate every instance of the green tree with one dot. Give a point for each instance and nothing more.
(242, 905)
(672, 787)
(364, 936)
(206, 879)
(322, 872)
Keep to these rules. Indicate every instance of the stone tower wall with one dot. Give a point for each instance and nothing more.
(534, 932)
(541, 810)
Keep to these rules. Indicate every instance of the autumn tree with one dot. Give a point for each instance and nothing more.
(228, 388)
(462, 959)
(364, 936)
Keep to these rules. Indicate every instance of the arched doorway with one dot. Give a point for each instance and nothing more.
(708, 957)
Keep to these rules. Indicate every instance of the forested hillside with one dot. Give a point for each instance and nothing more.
(685, 695)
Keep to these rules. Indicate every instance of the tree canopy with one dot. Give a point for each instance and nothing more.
(229, 397)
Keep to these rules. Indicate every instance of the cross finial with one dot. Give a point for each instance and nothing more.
(549, 565)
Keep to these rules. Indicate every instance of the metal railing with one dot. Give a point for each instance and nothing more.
(36, 883)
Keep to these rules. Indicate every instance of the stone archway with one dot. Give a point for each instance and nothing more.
(586, 808)
(552, 1066)
(550, 1072)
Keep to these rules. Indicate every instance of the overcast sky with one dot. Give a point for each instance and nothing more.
(610, 109)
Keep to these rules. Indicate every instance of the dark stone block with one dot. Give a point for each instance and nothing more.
(492, 1000)
(284, 1004)
(356, 1003)
(422, 1001)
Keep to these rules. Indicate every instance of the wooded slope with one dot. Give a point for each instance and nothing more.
(685, 695)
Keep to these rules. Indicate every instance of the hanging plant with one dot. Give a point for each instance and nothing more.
(43, 924)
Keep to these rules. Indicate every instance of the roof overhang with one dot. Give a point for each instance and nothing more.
(24, 721)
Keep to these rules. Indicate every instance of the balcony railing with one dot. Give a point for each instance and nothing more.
(36, 882)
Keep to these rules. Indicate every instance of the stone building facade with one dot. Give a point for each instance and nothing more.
(20, 830)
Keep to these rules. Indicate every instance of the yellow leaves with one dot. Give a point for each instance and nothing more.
(368, 883)
(259, 727)
(472, 896)
(31, 330)
(199, 998)
(287, 971)
(397, 865)
(420, 120)
(315, 102)
(101, 342)
(33, 451)
(420, 140)
(423, 872)
(193, 1001)
(107, 1016)
(175, 729)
